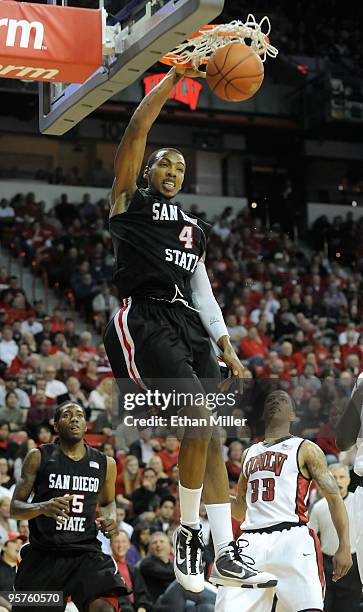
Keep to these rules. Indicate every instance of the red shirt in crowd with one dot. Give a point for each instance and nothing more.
(250, 348)
(168, 460)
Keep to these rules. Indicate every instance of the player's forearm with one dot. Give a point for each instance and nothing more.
(238, 507)
(108, 511)
(349, 423)
(340, 519)
(150, 107)
(20, 510)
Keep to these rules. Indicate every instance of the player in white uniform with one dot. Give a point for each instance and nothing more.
(271, 496)
(349, 432)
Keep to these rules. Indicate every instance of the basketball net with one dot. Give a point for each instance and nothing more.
(197, 49)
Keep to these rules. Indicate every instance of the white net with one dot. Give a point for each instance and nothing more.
(196, 50)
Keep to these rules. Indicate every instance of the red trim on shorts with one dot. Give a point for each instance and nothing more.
(319, 559)
(302, 487)
(125, 341)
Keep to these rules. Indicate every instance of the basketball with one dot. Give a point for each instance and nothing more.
(235, 72)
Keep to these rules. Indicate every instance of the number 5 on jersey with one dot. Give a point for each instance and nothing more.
(186, 236)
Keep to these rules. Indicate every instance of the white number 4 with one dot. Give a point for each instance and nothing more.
(186, 236)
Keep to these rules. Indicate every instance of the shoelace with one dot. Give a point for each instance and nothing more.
(234, 550)
(194, 545)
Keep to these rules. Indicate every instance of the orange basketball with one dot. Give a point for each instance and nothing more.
(235, 72)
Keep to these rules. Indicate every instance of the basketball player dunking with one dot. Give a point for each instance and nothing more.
(349, 433)
(68, 479)
(271, 497)
(162, 338)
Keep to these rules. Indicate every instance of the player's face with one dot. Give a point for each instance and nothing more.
(166, 175)
(278, 408)
(72, 424)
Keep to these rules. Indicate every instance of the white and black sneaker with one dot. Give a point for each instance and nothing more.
(188, 558)
(234, 569)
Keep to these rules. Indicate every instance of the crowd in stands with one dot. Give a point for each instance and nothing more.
(306, 28)
(294, 317)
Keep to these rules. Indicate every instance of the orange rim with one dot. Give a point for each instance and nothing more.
(172, 58)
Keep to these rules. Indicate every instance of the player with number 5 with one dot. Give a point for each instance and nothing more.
(68, 479)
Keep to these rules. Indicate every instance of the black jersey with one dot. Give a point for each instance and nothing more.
(59, 475)
(157, 247)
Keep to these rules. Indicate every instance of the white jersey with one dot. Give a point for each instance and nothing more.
(276, 491)
(358, 463)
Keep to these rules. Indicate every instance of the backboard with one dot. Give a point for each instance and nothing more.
(129, 49)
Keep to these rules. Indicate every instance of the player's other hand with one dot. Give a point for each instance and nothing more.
(107, 526)
(191, 73)
(57, 508)
(237, 371)
(342, 562)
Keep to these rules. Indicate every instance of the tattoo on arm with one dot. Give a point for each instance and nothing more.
(317, 466)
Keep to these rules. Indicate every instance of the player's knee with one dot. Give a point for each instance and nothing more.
(197, 423)
(100, 605)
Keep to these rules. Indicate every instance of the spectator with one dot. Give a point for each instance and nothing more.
(75, 393)
(121, 523)
(140, 541)
(10, 557)
(233, 464)
(88, 377)
(144, 448)
(312, 420)
(11, 383)
(145, 499)
(23, 530)
(101, 395)
(10, 413)
(8, 346)
(252, 348)
(6, 481)
(157, 569)
(48, 358)
(31, 325)
(103, 423)
(165, 515)
(8, 448)
(7, 524)
(39, 414)
(104, 305)
(44, 435)
(54, 388)
(169, 456)
(139, 599)
(156, 464)
(20, 363)
(69, 332)
(129, 479)
(345, 594)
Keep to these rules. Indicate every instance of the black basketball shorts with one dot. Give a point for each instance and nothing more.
(157, 344)
(83, 576)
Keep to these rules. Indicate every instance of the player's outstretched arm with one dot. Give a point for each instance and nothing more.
(313, 459)
(238, 503)
(131, 150)
(107, 503)
(56, 508)
(349, 424)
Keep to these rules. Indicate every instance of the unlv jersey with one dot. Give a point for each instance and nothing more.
(157, 247)
(58, 476)
(276, 489)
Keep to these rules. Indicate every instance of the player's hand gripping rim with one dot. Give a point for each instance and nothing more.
(191, 73)
(342, 562)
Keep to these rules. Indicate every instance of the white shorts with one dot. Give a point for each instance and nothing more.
(294, 557)
(358, 524)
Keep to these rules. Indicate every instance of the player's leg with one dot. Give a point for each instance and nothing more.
(95, 584)
(301, 583)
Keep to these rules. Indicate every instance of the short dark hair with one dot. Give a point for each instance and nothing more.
(148, 469)
(153, 157)
(10, 393)
(4, 422)
(169, 498)
(66, 404)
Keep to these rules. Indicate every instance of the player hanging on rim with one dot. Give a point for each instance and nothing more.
(271, 498)
(160, 338)
(68, 479)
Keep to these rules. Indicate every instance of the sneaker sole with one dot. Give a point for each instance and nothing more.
(230, 582)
